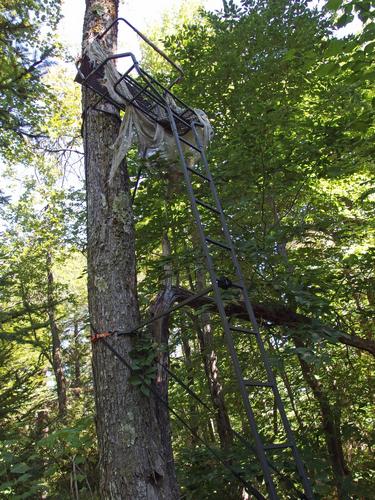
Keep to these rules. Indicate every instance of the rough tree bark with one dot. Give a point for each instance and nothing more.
(57, 359)
(134, 451)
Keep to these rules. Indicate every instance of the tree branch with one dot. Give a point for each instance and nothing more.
(276, 315)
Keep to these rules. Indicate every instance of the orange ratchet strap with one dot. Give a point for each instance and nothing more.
(97, 336)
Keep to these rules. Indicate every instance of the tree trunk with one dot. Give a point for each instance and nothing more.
(193, 409)
(331, 427)
(134, 449)
(160, 333)
(57, 359)
(76, 360)
(214, 384)
(205, 337)
(41, 424)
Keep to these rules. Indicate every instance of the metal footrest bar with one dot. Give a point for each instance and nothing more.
(196, 148)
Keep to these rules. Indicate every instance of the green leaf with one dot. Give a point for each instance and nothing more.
(24, 478)
(133, 380)
(145, 390)
(150, 370)
(20, 468)
(334, 47)
(327, 69)
(370, 47)
(344, 20)
(333, 4)
(288, 56)
(7, 488)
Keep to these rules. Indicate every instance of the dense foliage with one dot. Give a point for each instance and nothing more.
(25, 43)
(292, 107)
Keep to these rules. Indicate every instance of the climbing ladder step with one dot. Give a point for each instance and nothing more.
(242, 330)
(277, 446)
(195, 172)
(190, 144)
(218, 243)
(257, 383)
(206, 205)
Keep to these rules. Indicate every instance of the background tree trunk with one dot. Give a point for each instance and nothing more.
(76, 384)
(210, 361)
(330, 425)
(133, 449)
(57, 360)
(193, 408)
(211, 369)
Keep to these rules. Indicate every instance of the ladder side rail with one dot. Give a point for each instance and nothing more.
(239, 274)
(254, 322)
(172, 115)
(245, 397)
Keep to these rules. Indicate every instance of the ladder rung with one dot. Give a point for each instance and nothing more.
(190, 145)
(277, 446)
(242, 330)
(257, 383)
(218, 243)
(198, 173)
(206, 205)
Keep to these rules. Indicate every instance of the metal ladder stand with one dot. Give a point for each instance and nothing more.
(146, 96)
